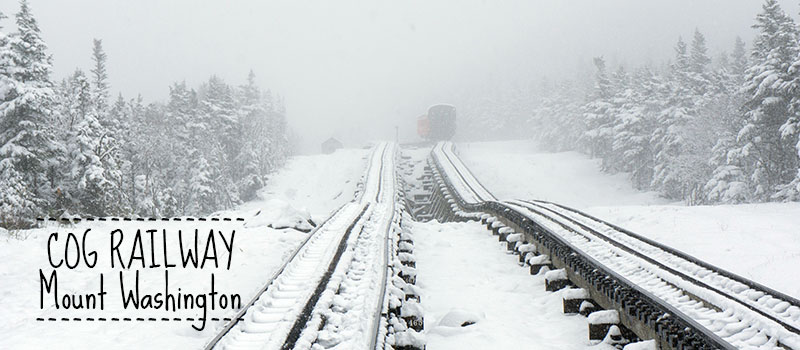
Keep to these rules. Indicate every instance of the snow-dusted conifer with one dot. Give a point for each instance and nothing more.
(765, 158)
(99, 77)
(598, 113)
(25, 139)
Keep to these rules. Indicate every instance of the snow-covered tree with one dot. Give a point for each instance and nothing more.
(727, 182)
(599, 114)
(26, 143)
(254, 119)
(93, 172)
(63, 149)
(738, 63)
(635, 124)
(765, 158)
(557, 121)
(99, 78)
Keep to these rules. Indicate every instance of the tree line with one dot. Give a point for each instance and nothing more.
(702, 130)
(66, 148)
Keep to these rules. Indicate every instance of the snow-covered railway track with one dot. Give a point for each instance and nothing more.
(469, 188)
(728, 308)
(766, 302)
(289, 310)
(659, 292)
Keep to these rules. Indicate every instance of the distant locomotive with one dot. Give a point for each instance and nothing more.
(439, 124)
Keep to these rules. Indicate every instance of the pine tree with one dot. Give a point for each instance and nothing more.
(219, 107)
(698, 59)
(790, 133)
(124, 142)
(727, 182)
(99, 78)
(767, 160)
(738, 63)
(635, 125)
(557, 121)
(5, 60)
(668, 137)
(189, 132)
(599, 115)
(93, 171)
(25, 141)
(253, 117)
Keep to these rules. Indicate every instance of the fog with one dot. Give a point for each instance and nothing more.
(357, 69)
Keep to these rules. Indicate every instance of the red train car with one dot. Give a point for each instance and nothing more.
(423, 126)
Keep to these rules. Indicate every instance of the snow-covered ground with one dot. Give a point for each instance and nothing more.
(316, 183)
(319, 183)
(467, 275)
(757, 241)
(517, 170)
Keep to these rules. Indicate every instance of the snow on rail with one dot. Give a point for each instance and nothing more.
(353, 300)
(286, 314)
(742, 316)
(773, 303)
(468, 187)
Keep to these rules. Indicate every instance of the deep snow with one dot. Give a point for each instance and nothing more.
(319, 183)
(757, 241)
(467, 275)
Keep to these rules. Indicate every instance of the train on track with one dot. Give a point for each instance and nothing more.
(439, 124)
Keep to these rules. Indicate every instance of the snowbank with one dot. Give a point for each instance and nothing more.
(467, 275)
(278, 214)
(460, 318)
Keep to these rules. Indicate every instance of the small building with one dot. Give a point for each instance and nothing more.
(331, 145)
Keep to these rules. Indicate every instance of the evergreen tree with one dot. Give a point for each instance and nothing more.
(124, 144)
(253, 117)
(99, 77)
(64, 150)
(25, 141)
(668, 138)
(557, 121)
(636, 123)
(738, 63)
(698, 59)
(727, 182)
(5, 60)
(598, 113)
(93, 172)
(767, 160)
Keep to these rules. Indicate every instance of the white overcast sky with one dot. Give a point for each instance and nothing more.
(355, 69)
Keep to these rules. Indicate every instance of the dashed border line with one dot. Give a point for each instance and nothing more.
(131, 319)
(135, 219)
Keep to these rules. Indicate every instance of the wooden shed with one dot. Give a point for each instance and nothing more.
(331, 145)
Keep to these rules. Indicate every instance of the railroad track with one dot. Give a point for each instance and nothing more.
(296, 307)
(470, 190)
(688, 303)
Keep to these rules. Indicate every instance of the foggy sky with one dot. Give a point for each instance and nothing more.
(355, 69)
